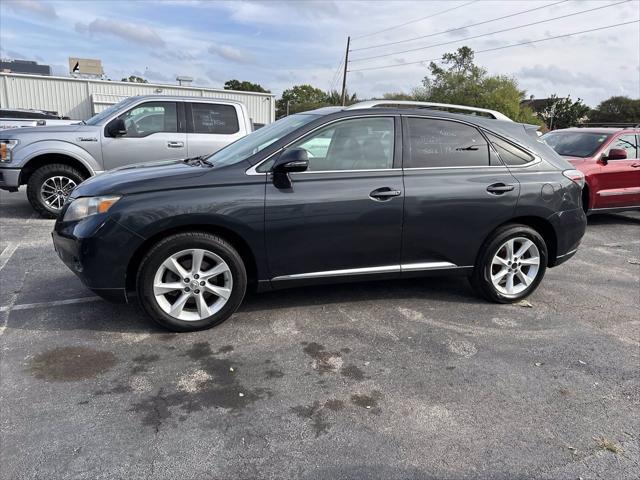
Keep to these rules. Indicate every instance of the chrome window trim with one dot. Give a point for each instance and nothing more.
(536, 158)
(369, 170)
(408, 267)
(252, 170)
(504, 167)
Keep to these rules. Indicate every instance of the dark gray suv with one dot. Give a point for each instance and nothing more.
(331, 195)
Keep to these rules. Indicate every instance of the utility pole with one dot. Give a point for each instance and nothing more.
(344, 75)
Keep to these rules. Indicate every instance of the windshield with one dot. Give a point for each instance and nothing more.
(258, 140)
(575, 144)
(106, 113)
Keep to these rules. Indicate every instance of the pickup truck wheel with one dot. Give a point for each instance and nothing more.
(49, 186)
(191, 281)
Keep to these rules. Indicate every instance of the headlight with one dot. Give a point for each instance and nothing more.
(5, 149)
(86, 206)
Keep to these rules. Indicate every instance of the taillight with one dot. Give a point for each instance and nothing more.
(575, 176)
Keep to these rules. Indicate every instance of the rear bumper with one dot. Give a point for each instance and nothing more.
(98, 251)
(9, 179)
(569, 226)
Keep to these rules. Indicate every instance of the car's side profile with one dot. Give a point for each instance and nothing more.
(609, 157)
(327, 196)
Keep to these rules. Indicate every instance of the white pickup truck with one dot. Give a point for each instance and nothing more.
(52, 159)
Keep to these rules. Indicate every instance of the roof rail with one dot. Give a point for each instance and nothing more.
(437, 106)
(610, 124)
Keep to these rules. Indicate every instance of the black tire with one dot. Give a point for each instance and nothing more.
(162, 250)
(481, 277)
(40, 176)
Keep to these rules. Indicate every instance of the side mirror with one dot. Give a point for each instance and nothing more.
(117, 128)
(289, 161)
(616, 154)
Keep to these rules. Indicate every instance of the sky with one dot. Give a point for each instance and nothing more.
(279, 44)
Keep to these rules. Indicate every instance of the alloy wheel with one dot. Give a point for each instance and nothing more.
(192, 284)
(55, 190)
(515, 266)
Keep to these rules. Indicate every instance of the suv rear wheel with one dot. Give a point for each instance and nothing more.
(511, 264)
(49, 186)
(191, 281)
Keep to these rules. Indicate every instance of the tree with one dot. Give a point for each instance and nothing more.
(334, 97)
(244, 86)
(460, 81)
(617, 109)
(135, 79)
(398, 96)
(563, 112)
(299, 99)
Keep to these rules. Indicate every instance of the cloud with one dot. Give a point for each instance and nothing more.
(459, 32)
(12, 54)
(173, 55)
(561, 77)
(258, 12)
(131, 32)
(232, 54)
(33, 7)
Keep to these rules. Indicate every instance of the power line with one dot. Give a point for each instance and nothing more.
(459, 28)
(503, 47)
(417, 20)
(336, 75)
(489, 33)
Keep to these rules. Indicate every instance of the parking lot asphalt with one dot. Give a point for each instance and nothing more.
(412, 379)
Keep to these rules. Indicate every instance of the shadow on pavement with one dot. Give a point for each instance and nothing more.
(612, 219)
(100, 315)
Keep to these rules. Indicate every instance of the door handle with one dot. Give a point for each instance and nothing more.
(384, 193)
(635, 165)
(499, 188)
(175, 144)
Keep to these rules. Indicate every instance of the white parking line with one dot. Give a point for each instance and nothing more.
(55, 303)
(7, 253)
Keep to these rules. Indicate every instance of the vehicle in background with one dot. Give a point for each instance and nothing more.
(331, 195)
(53, 160)
(17, 118)
(609, 157)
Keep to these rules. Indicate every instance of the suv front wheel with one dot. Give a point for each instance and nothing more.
(511, 264)
(191, 281)
(49, 186)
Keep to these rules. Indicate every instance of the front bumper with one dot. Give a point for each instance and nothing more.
(9, 179)
(98, 251)
(569, 226)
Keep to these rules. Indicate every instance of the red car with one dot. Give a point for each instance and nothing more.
(610, 160)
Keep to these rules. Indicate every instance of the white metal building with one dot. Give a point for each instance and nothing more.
(79, 98)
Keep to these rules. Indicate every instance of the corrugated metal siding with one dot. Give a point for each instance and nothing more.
(81, 98)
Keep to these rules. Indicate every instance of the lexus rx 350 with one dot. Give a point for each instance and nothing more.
(331, 195)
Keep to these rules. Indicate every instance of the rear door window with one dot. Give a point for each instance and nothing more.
(214, 118)
(434, 143)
